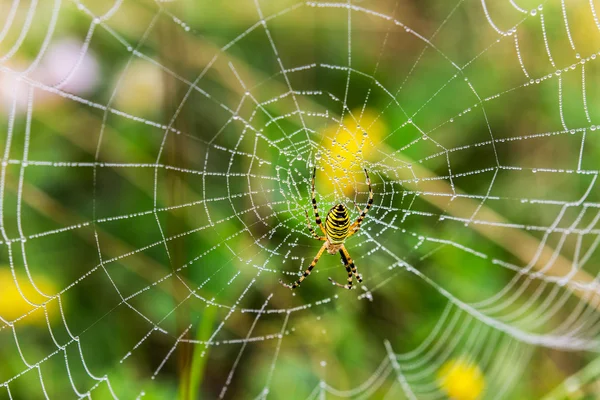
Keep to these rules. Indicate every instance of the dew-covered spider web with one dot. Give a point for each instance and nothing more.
(156, 169)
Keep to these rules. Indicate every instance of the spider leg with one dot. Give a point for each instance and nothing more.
(314, 203)
(356, 225)
(344, 253)
(350, 268)
(307, 272)
(312, 231)
(348, 285)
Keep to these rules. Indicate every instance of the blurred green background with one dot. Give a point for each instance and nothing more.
(156, 171)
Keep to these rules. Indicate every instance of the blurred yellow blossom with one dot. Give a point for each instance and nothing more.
(140, 88)
(347, 147)
(461, 379)
(12, 301)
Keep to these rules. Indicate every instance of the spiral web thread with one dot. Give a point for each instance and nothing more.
(251, 187)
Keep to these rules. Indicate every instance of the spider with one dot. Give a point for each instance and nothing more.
(336, 230)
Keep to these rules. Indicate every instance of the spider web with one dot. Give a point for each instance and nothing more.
(167, 231)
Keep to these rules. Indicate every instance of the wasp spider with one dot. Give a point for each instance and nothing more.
(336, 230)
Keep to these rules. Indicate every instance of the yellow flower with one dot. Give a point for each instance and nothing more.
(12, 300)
(140, 89)
(346, 148)
(461, 379)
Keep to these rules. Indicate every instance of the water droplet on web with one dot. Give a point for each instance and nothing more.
(540, 7)
(537, 81)
(534, 170)
(558, 72)
(593, 127)
(409, 121)
(365, 133)
(318, 156)
(577, 55)
(299, 158)
(593, 57)
(533, 12)
(572, 131)
(451, 119)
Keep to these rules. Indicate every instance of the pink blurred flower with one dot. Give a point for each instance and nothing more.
(68, 64)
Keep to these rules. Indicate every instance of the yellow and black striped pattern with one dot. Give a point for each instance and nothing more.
(336, 229)
(337, 224)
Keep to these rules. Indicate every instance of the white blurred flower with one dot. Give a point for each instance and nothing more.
(12, 88)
